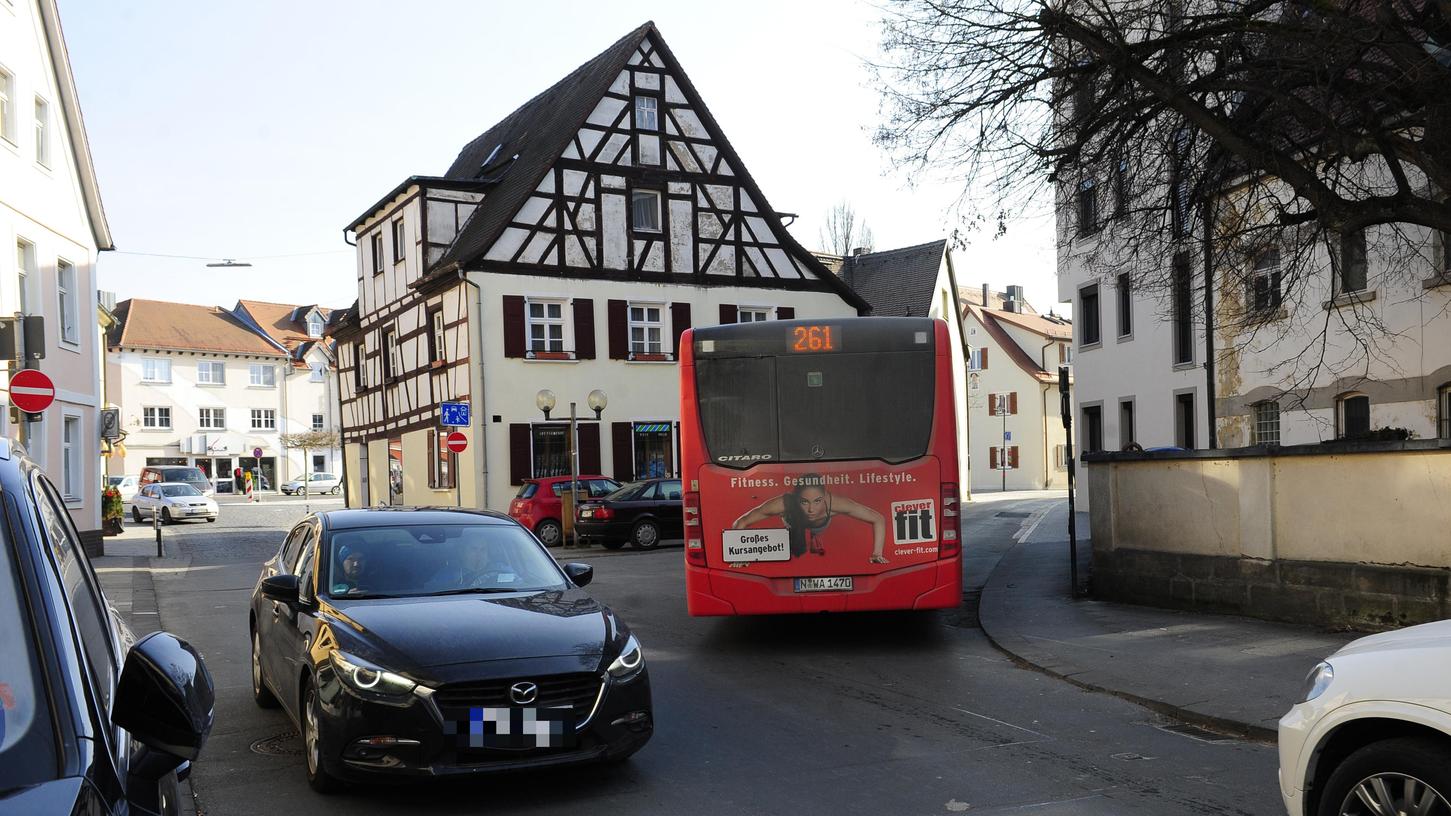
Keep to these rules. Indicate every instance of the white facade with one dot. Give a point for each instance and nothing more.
(51, 226)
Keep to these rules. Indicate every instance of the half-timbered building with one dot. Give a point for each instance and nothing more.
(566, 249)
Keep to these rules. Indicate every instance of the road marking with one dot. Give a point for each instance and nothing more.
(1000, 722)
(1023, 539)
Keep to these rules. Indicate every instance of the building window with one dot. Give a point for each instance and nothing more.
(314, 325)
(1087, 207)
(645, 210)
(1353, 415)
(262, 375)
(1005, 404)
(647, 113)
(1179, 192)
(360, 366)
(264, 419)
(1003, 458)
(1183, 307)
(1088, 332)
(441, 465)
(211, 373)
(977, 359)
(546, 326)
(1092, 429)
(1264, 294)
(752, 315)
(435, 336)
(1125, 424)
(392, 357)
(1443, 411)
(154, 370)
(399, 240)
(70, 437)
(1121, 188)
(1184, 420)
(42, 131)
(376, 244)
(1060, 457)
(654, 450)
(1351, 263)
(7, 116)
(1267, 423)
(1445, 268)
(319, 372)
(319, 463)
(65, 286)
(156, 418)
(212, 419)
(317, 422)
(25, 266)
(550, 455)
(1125, 305)
(646, 329)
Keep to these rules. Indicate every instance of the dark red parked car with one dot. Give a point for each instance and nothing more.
(539, 508)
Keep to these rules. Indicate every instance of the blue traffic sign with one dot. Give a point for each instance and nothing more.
(453, 413)
(1007, 436)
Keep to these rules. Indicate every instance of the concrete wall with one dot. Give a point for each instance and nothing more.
(1345, 533)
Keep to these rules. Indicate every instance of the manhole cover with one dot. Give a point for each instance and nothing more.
(1194, 732)
(288, 743)
(1012, 514)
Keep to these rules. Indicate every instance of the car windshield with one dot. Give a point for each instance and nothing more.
(114, 480)
(189, 475)
(436, 559)
(27, 744)
(173, 490)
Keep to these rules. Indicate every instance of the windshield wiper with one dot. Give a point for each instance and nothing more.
(474, 591)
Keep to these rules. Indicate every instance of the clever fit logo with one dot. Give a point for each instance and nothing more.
(912, 521)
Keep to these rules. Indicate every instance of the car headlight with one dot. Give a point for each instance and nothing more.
(630, 661)
(1317, 681)
(369, 680)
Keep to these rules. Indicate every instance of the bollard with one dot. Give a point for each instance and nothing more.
(156, 525)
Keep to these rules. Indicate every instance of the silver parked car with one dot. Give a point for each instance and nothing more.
(173, 501)
(315, 483)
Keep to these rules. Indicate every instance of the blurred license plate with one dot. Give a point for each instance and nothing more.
(586, 514)
(841, 584)
(544, 727)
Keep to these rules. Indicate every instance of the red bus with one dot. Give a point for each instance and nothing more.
(819, 461)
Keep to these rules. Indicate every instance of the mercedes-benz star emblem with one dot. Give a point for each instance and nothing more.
(817, 451)
(524, 693)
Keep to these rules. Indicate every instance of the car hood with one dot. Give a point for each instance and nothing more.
(419, 634)
(1426, 636)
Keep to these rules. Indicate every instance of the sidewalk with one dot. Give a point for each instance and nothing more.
(1237, 675)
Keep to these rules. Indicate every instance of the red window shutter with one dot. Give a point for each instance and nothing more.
(584, 328)
(679, 322)
(515, 334)
(785, 313)
(992, 404)
(618, 312)
(521, 465)
(624, 451)
(1013, 456)
(983, 365)
(728, 313)
(1013, 403)
(992, 458)
(589, 448)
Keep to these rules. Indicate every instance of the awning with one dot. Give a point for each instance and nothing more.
(652, 427)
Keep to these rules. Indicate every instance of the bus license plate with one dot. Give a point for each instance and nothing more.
(841, 584)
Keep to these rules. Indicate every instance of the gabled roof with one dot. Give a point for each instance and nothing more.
(897, 282)
(154, 324)
(285, 324)
(514, 155)
(70, 106)
(1050, 326)
(989, 320)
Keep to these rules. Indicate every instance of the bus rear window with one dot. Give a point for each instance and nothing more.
(875, 405)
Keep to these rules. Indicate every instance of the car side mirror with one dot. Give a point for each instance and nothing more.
(165, 700)
(282, 588)
(580, 574)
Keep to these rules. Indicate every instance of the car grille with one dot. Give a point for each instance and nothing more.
(575, 690)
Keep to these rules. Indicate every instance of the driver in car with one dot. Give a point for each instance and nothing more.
(354, 574)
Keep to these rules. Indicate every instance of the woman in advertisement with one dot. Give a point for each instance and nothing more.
(808, 510)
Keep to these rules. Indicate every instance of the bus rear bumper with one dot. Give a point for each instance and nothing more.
(934, 585)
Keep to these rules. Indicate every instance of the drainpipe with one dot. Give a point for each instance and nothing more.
(1209, 401)
(477, 398)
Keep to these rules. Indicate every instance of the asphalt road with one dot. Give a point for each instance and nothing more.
(899, 714)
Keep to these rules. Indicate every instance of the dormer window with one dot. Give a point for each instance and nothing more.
(314, 325)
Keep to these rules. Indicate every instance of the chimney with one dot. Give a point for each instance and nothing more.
(106, 299)
(859, 251)
(986, 304)
(1015, 293)
(1010, 305)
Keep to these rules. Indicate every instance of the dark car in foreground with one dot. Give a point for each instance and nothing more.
(425, 642)
(91, 721)
(641, 514)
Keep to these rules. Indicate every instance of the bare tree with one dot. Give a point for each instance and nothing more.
(844, 231)
(308, 441)
(1303, 132)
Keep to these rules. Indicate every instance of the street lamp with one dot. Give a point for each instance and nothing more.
(545, 402)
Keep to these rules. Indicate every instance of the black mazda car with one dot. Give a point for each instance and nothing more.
(427, 642)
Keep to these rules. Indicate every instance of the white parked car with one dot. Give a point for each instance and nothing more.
(316, 483)
(1372, 731)
(126, 484)
(174, 501)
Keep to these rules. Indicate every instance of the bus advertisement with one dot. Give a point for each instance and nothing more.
(820, 467)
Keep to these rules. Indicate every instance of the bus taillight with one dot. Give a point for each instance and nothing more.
(694, 537)
(951, 522)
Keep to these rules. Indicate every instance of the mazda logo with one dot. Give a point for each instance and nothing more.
(524, 693)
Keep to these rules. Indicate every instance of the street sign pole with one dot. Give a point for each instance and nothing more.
(573, 476)
(1003, 457)
(1066, 407)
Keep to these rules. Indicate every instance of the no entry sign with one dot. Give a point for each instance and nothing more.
(31, 391)
(457, 442)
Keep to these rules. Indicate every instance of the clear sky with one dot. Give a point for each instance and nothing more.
(259, 130)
